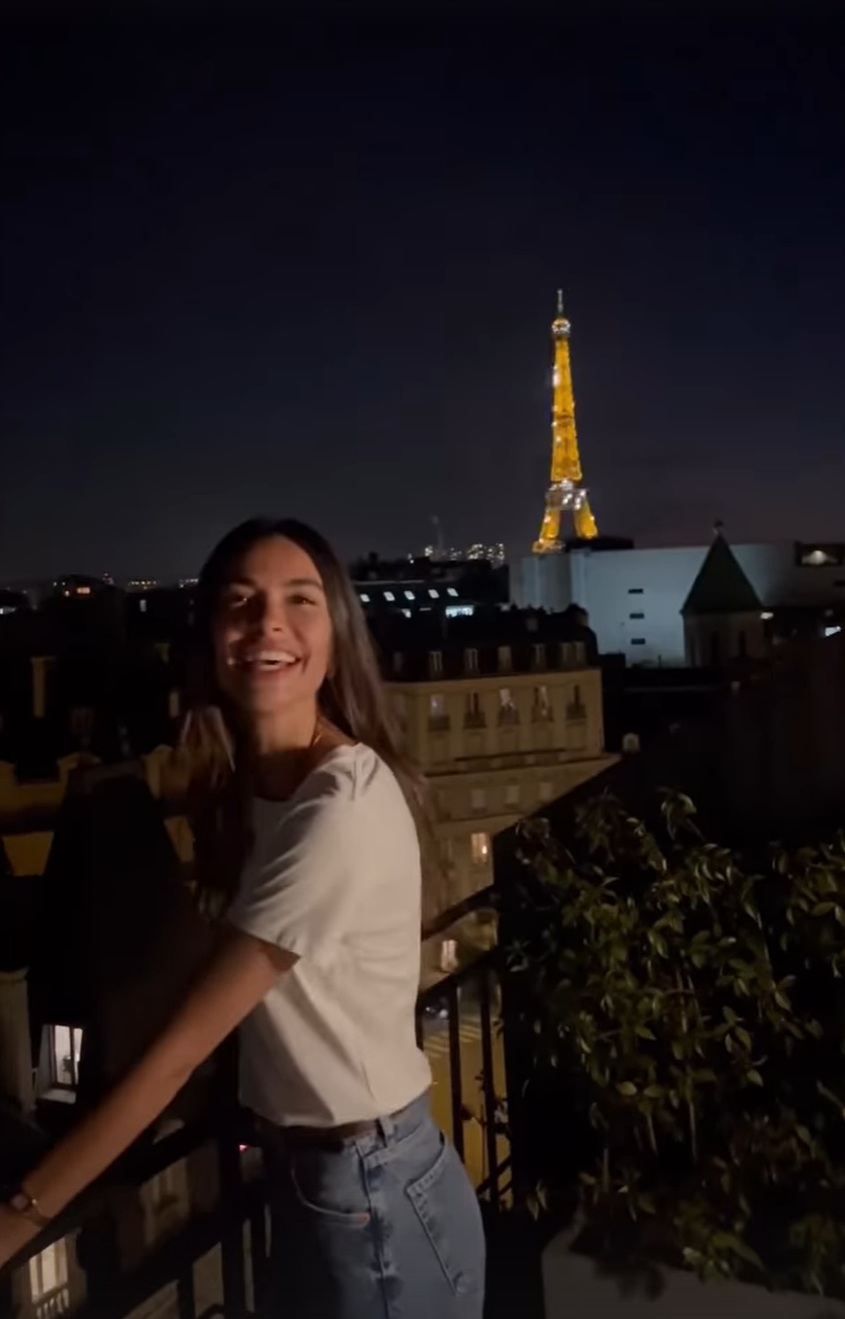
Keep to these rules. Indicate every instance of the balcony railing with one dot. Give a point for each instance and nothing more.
(456, 1025)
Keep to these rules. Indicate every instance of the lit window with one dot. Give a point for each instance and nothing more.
(480, 846)
(512, 794)
(435, 663)
(409, 595)
(478, 799)
(471, 660)
(436, 706)
(407, 613)
(388, 595)
(142, 605)
(83, 590)
(450, 590)
(505, 658)
(365, 599)
(48, 1271)
(538, 656)
(435, 595)
(65, 1052)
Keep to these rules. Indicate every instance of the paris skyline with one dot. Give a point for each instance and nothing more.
(311, 269)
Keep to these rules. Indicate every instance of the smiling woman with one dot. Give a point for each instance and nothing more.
(308, 853)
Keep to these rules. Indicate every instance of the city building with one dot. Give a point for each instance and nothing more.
(452, 587)
(502, 719)
(635, 597)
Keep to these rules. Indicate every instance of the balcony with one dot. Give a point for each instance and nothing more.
(458, 1025)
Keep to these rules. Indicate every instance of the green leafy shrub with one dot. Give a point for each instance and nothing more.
(679, 1020)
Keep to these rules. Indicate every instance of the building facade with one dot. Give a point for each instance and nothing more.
(499, 730)
(634, 597)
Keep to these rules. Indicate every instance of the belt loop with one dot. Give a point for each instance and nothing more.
(387, 1127)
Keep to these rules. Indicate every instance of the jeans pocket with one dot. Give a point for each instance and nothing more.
(447, 1209)
(331, 1185)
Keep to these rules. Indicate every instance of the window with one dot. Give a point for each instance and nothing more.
(48, 1271)
(480, 849)
(65, 1051)
(478, 799)
(575, 707)
(474, 715)
(435, 595)
(398, 661)
(438, 719)
(635, 590)
(505, 659)
(409, 595)
(364, 598)
(174, 704)
(538, 657)
(820, 556)
(142, 604)
(388, 595)
(508, 713)
(471, 660)
(450, 590)
(636, 615)
(541, 710)
(512, 794)
(545, 792)
(637, 641)
(435, 663)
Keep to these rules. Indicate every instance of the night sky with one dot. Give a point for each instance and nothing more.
(262, 265)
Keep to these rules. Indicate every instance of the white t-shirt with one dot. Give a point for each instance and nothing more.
(334, 877)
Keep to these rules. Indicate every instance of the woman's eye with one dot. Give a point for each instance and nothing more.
(302, 600)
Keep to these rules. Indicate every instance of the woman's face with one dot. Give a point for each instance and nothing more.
(272, 630)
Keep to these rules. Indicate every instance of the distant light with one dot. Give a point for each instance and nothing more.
(364, 598)
(83, 590)
(460, 611)
(388, 595)
(450, 590)
(409, 595)
(435, 595)
(767, 614)
(832, 631)
(407, 613)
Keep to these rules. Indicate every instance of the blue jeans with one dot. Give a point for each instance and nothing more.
(386, 1227)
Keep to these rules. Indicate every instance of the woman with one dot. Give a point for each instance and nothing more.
(319, 960)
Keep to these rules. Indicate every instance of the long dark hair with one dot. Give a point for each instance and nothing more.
(352, 697)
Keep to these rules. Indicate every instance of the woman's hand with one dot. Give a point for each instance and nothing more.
(15, 1233)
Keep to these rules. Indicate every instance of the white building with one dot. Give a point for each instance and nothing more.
(634, 597)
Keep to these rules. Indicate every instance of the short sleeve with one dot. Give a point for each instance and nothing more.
(299, 888)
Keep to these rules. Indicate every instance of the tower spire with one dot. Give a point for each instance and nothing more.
(566, 493)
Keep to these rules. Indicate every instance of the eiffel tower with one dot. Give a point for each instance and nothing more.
(566, 495)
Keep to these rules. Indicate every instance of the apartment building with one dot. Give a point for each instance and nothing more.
(499, 728)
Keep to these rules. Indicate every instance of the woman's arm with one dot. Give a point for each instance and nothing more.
(240, 975)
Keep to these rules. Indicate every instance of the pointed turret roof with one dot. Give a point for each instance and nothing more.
(721, 586)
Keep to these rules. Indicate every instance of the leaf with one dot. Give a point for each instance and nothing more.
(754, 1076)
(627, 1088)
(743, 1036)
(645, 1034)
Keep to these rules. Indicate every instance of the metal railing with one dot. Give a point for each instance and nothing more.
(242, 1202)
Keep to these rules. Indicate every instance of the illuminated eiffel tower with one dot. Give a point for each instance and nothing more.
(566, 495)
